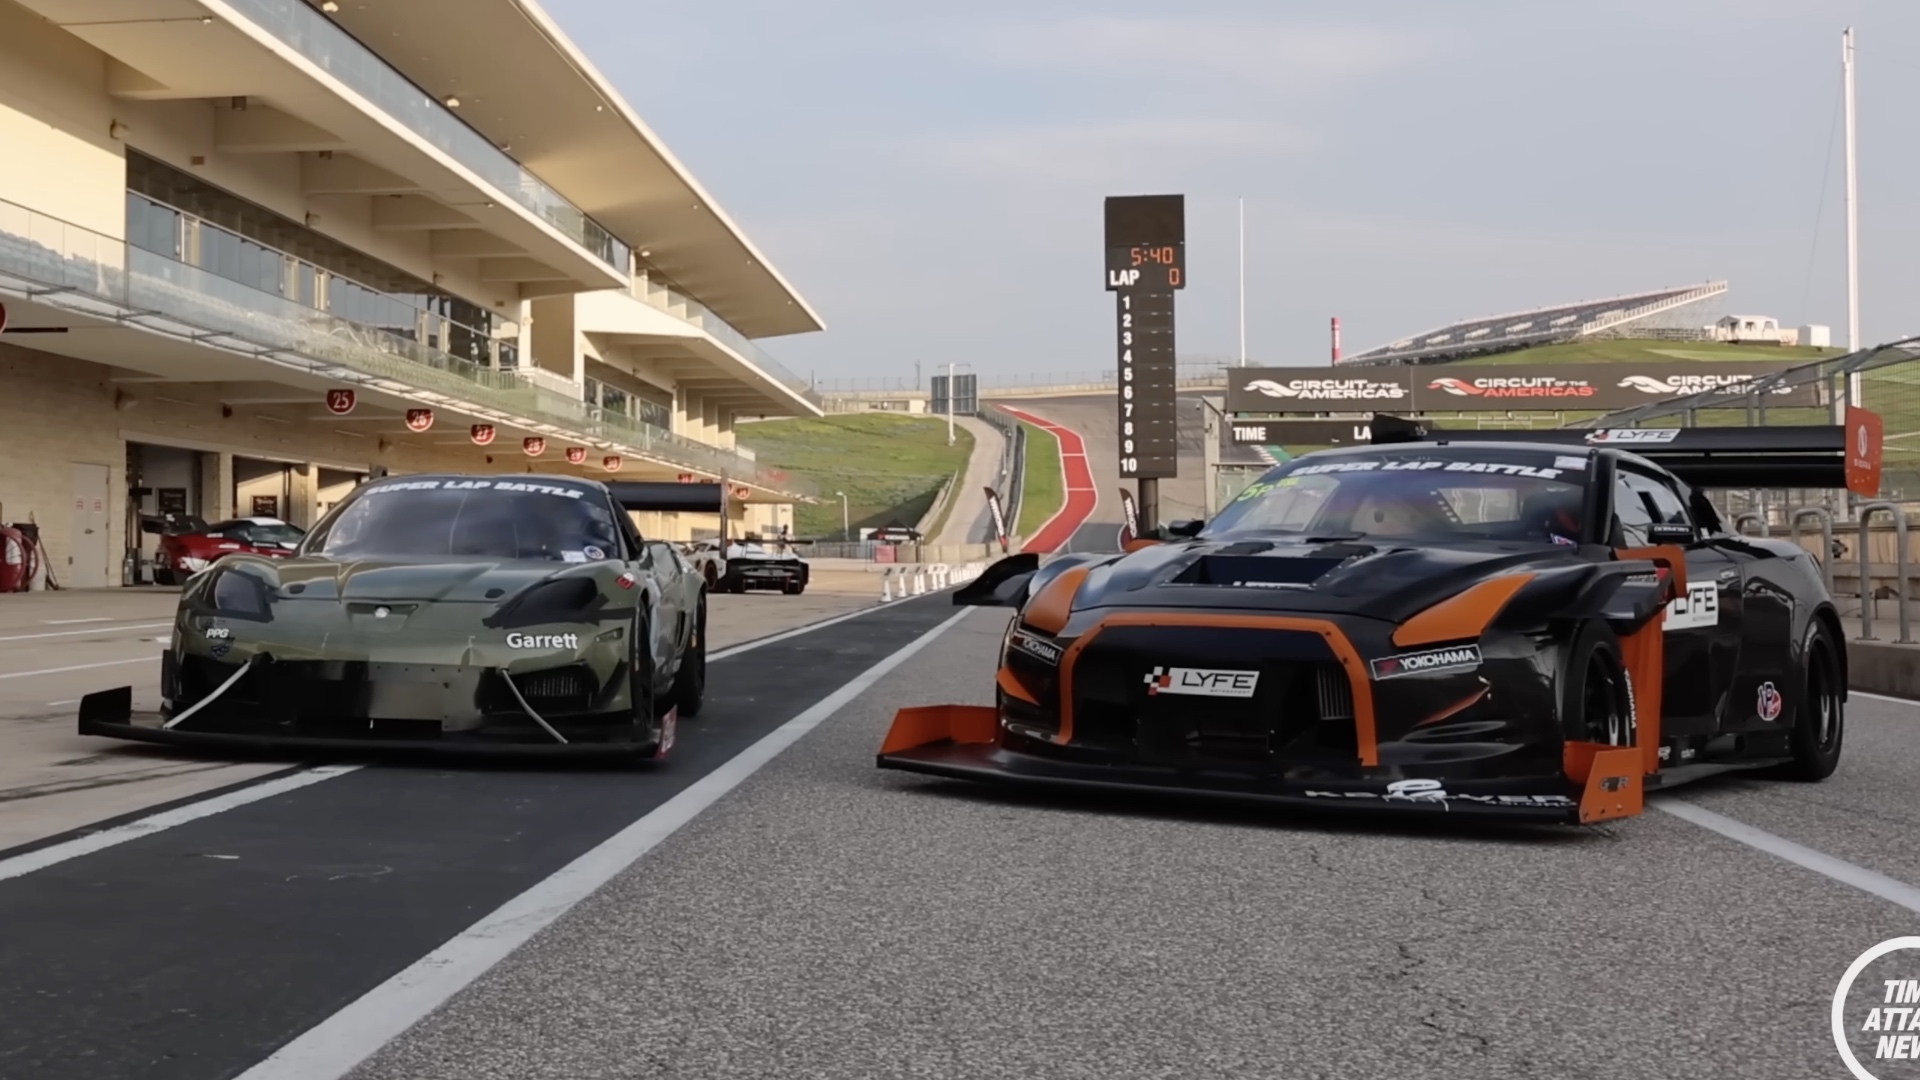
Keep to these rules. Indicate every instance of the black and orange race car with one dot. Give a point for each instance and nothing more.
(1533, 625)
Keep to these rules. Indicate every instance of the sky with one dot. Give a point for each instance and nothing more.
(930, 177)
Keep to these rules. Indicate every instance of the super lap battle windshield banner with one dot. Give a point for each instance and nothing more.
(1501, 387)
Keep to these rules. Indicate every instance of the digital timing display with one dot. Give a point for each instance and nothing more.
(1146, 262)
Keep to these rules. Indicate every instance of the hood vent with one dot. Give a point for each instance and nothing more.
(1258, 571)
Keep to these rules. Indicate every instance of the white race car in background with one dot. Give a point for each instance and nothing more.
(735, 566)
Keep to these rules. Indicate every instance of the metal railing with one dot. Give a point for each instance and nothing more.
(304, 30)
(59, 264)
(664, 297)
(1868, 598)
(1826, 539)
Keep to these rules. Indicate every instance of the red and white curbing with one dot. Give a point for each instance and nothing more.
(921, 580)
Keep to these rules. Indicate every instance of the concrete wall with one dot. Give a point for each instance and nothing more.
(57, 155)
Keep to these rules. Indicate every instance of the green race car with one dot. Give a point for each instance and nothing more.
(510, 613)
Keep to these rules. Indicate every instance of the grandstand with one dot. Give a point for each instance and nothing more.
(1638, 315)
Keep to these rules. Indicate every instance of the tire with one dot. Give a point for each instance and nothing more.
(646, 714)
(166, 579)
(1820, 717)
(1596, 693)
(690, 682)
(792, 589)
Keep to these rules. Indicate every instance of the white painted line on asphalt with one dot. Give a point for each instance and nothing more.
(82, 633)
(747, 646)
(148, 826)
(67, 701)
(342, 1041)
(133, 830)
(76, 667)
(70, 622)
(1839, 870)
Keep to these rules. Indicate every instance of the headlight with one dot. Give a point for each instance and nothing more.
(239, 595)
(562, 600)
(188, 562)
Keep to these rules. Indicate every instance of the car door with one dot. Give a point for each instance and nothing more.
(1703, 629)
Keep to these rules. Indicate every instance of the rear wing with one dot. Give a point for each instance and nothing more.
(635, 495)
(1810, 456)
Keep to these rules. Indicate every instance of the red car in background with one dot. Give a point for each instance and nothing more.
(185, 553)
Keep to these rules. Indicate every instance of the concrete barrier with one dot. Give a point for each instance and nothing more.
(1884, 667)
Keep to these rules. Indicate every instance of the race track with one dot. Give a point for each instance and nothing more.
(1080, 499)
(783, 909)
(1095, 419)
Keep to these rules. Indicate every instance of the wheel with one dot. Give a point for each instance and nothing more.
(166, 578)
(793, 588)
(646, 709)
(690, 682)
(1819, 719)
(1596, 693)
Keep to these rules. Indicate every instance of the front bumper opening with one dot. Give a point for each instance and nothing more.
(397, 703)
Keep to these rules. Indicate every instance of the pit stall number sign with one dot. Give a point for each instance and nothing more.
(1146, 264)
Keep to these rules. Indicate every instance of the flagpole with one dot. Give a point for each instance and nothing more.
(1243, 281)
(1854, 342)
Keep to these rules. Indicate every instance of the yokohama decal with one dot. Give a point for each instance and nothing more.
(1430, 662)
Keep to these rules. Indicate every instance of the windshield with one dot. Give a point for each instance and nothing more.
(253, 532)
(500, 519)
(1424, 493)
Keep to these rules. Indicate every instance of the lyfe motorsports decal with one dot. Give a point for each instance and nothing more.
(1201, 682)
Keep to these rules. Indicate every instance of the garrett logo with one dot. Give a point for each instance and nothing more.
(543, 641)
(1201, 682)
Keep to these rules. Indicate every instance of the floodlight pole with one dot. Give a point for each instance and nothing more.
(950, 404)
(1243, 281)
(1854, 344)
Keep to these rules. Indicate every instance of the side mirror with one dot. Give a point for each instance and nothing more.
(1189, 527)
(1665, 533)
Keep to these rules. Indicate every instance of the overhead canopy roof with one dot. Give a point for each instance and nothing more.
(523, 84)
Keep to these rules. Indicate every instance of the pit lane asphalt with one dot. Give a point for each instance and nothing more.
(195, 952)
(829, 919)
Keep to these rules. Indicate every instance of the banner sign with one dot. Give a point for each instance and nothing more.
(999, 519)
(1129, 519)
(1299, 432)
(1505, 387)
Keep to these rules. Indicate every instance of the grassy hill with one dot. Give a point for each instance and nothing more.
(1041, 491)
(1628, 352)
(891, 466)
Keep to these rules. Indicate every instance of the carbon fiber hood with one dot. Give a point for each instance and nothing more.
(477, 581)
(1380, 579)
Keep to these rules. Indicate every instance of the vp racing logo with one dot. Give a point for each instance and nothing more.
(1326, 389)
(1876, 1010)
